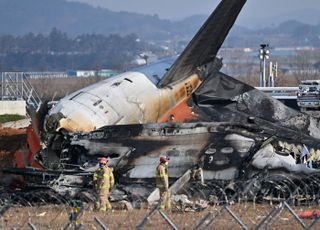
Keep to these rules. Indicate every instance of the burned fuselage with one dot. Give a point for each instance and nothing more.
(223, 149)
(145, 95)
(239, 133)
(234, 131)
(134, 150)
(131, 98)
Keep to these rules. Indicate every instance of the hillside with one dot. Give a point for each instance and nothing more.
(40, 16)
(290, 33)
(55, 35)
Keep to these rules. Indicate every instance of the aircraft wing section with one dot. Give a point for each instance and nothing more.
(204, 46)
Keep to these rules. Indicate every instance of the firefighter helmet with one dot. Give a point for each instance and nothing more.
(103, 160)
(164, 159)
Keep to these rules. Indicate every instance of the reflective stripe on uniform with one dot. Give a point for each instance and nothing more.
(107, 175)
(105, 187)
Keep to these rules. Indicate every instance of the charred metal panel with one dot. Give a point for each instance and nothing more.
(222, 151)
(186, 144)
(222, 98)
(175, 95)
(180, 113)
(268, 157)
(222, 148)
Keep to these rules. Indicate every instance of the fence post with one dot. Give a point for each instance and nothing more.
(147, 217)
(168, 220)
(32, 226)
(273, 212)
(203, 220)
(236, 218)
(99, 222)
(295, 215)
(313, 223)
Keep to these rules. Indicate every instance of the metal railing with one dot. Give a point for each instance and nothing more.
(15, 86)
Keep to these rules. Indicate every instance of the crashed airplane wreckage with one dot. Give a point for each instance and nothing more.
(189, 111)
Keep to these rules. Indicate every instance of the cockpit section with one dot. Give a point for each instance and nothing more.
(155, 72)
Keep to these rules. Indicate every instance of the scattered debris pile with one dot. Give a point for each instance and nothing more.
(183, 204)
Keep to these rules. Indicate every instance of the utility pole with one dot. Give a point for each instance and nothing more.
(271, 77)
(263, 56)
(273, 73)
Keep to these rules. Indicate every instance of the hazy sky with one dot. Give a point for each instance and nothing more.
(177, 9)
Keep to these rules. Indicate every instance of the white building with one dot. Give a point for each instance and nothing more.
(86, 73)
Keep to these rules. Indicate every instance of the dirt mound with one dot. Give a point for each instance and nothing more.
(10, 141)
(11, 132)
(6, 159)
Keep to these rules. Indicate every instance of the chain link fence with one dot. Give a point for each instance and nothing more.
(283, 205)
(236, 216)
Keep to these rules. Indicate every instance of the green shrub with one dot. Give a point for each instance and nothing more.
(10, 117)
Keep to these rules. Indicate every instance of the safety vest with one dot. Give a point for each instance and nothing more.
(162, 177)
(312, 155)
(103, 178)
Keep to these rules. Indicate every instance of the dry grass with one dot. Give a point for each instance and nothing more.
(56, 88)
(55, 217)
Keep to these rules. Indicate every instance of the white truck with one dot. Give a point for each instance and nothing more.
(308, 95)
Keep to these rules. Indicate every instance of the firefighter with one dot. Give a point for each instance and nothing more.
(162, 183)
(103, 181)
(197, 174)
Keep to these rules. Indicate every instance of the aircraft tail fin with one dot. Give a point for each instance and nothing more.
(204, 46)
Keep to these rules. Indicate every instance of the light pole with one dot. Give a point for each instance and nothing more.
(263, 56)
(273, 73)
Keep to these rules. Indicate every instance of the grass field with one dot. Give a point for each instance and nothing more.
(10, 117)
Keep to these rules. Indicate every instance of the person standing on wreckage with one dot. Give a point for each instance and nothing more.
(103, 181)
(162, 183)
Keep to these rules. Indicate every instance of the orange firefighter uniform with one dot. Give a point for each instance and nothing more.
(162, 183)
(103, 181)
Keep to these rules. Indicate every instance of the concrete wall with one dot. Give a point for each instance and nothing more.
(13, 107)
